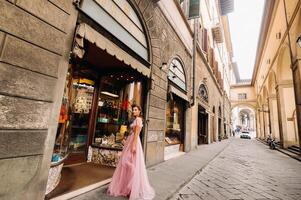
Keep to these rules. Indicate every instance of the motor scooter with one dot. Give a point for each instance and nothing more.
(271, 142)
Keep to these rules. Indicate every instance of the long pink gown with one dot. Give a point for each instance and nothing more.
(130, 176)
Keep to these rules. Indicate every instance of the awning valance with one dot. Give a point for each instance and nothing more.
(84, 31)
(177, 92)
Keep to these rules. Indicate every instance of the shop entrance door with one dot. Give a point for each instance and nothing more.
(202, 126)
(212, 129)
(219, 128)
(82, 91)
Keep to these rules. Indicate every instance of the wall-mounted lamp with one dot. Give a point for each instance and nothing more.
(163, 66)
(299, 41)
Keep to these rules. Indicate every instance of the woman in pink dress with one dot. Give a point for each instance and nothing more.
(130, 176)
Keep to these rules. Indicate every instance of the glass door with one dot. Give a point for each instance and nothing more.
(82, 87)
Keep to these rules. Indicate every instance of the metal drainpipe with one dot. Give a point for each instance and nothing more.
(193, 62)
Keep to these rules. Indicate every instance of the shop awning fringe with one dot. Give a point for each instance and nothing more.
(84, 31)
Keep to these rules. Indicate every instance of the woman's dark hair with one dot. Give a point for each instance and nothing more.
(139, 108)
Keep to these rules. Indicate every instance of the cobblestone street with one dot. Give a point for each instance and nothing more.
(246, 169)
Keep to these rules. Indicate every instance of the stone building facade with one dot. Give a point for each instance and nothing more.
(36, 38)
(276, 76)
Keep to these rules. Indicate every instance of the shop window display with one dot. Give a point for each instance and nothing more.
(174, 122)
(96, 128)
(72, 132)
(117, 94)
(82, 95)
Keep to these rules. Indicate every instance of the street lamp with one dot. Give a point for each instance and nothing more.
(299, 41)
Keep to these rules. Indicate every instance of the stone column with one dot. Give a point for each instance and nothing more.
(258, 127)
(297, 82)
(284, 92)
(267, 120)
(263, 136)
(274, 116)
(280, 119)
(209, 128)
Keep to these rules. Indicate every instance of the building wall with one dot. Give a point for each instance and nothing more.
(35, 40)
(274, 72)
(204, 72)
(167, 43)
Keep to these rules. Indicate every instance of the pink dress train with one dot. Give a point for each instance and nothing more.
(130, 176)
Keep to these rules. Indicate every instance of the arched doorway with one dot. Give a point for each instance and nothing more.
(175, 110)
(203, 115)
(243, 118)
(285, 91)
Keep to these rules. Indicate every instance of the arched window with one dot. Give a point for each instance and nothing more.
(203, 93)
(176, 73)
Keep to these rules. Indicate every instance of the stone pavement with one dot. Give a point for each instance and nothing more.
(168, 177)
(246, 169)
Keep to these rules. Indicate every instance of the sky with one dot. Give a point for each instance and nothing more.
(245, 24)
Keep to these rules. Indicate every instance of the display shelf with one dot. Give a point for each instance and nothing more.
(95, 145)
(82, 127)
(110, 123)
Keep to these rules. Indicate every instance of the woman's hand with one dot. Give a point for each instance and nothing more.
(133, 149)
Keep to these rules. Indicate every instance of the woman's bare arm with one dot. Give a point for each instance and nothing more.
(137, 130)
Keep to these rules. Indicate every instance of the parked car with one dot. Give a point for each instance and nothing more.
(245, 136)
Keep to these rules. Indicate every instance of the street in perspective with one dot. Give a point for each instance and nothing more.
(150, 99)
(246, 170)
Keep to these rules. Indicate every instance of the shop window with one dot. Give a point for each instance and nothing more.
(102, 124)
(114, 112)
(176, 74)
(72, 132)
(82, 94)
(174, 134)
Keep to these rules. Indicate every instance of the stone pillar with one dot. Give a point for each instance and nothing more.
(258, 127)
(267, 120)
(280, 119)
(216, 128)
(284, 92)
(274, 116)
(261, 125)
(297, 82)
(209, 129)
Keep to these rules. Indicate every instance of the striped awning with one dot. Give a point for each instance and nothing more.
(84, 31)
